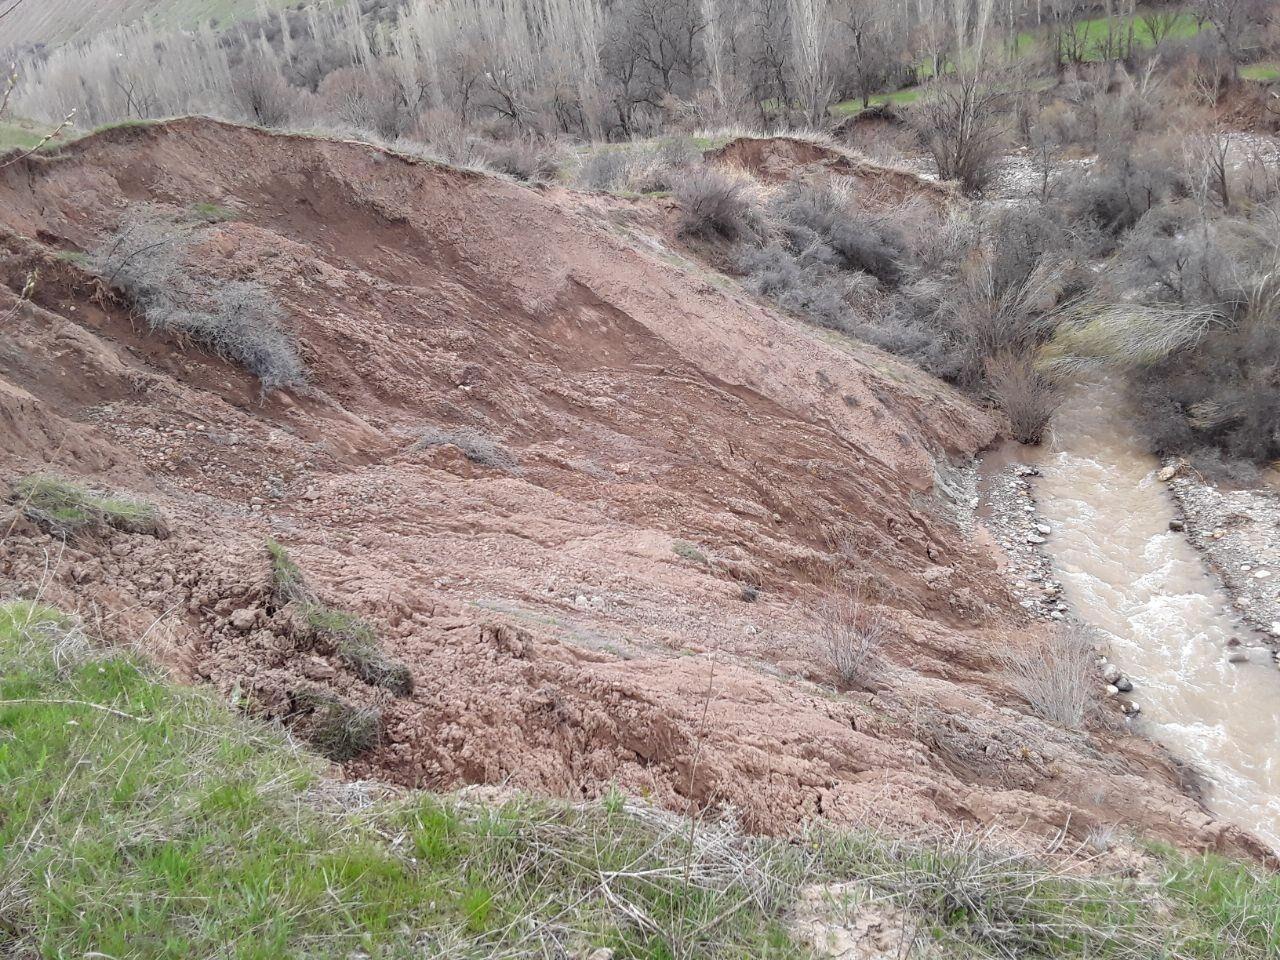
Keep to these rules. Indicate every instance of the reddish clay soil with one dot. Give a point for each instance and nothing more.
(558, 641)
(779, 159)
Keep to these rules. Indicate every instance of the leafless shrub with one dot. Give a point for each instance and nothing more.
(1028, 398)
(1056, 675)
(475, 446)
(853, 634)
(715, 204)
(608, 168)
(815, 292)
(821, 224)
(1133, 175)
(240, 321)
(524, 158)
(961, 127)
(262, 94)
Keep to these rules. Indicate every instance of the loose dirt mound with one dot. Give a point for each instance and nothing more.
(570, 598)
(778, 159)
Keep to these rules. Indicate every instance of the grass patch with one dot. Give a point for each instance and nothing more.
(479, 448)
(19, 135)
(75, 257)
(1262, 72)
(69, 509)
(336, 729)
(687, 551)
(902, 97)
(212, 213)
(145, 820)
(287, 581)
(1092, 33)
(357, 646)
(352, 639)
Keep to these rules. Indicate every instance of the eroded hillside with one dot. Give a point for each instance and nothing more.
(575, 600)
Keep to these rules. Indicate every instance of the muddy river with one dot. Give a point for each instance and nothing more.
(1123, 571)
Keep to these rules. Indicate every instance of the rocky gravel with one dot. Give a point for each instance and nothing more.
(1238, 532)
(1012, 517)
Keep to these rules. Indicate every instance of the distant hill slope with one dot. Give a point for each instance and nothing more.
(57, 21)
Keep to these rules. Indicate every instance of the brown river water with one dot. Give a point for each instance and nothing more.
(1168, 619)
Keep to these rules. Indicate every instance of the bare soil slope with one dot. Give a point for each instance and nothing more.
(557, 638)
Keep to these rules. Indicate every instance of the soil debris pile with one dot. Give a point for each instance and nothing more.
(564, 510)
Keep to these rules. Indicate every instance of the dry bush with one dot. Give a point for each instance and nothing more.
(524, 158)
(716, 204)
(821, 224)
(262, 94)
(475, 446)
(1057, 675)
(853, 635)
(240, 321)
(1132, 176)
(1028, 398)
(815, 291)
(962, 128)
(608, 168)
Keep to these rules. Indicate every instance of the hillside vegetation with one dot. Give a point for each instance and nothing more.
(494, 478)
(145, 820)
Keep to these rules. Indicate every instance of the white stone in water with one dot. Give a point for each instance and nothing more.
(1262, 574)
(1043, 529)
(1275, 628)
(1034, 539)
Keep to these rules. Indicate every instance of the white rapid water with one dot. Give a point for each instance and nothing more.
(1123, 571)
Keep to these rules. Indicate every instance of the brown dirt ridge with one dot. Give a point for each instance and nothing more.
(558, 641)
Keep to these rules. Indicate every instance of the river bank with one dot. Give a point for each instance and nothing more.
(1238, 534)
(1117, 547)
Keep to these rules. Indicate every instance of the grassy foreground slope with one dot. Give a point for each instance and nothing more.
(139, 819)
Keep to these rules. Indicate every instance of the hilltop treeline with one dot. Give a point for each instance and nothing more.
(598, 69)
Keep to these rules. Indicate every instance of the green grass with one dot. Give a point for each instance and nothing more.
(902, 97)
(212, 212)
(1263, 72)
(67, 508)
(142, 820)
(74, 257)
(687, 551)
(18, 135)
(357, 645)
(352, 639)
(1092, 33)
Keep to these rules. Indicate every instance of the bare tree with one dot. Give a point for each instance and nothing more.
(1238, 24)
(870, 54)
(810, 25)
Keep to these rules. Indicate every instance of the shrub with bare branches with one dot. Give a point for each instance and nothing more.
(1056, 675)
(1028, 397)
(960, 124)
(853, 634)
(148, 260)
(714, 204)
